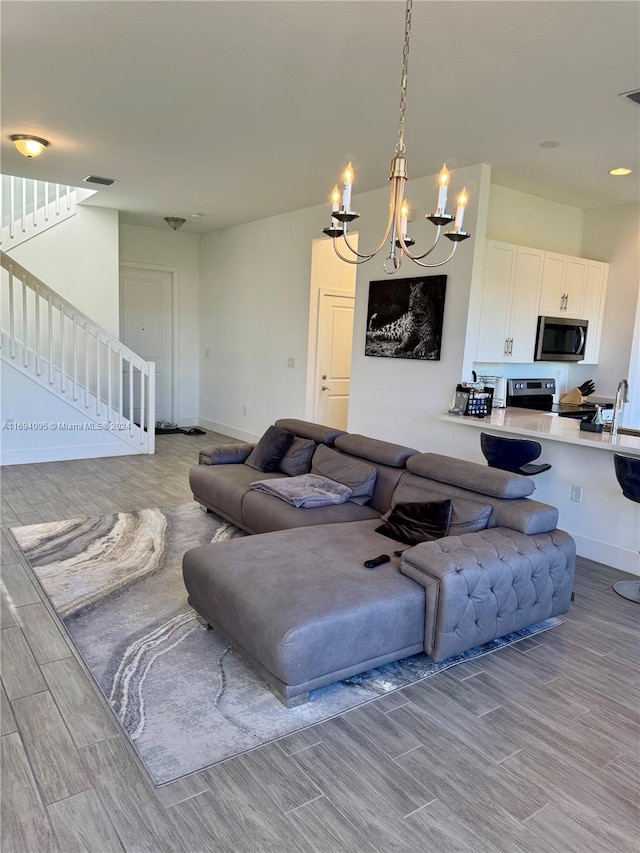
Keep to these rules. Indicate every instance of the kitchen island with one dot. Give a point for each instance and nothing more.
(544, 425)
(605, 525)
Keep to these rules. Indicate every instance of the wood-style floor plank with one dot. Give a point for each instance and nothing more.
(55, 760)
(41, 632)
(81, 825)
(25, 827)
(21, 674)
(7, 720)
(323, 827)
(72, 688)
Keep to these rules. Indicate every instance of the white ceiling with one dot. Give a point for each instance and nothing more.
(241, 110)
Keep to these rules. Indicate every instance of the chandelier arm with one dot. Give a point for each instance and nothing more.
(408, 253)
(392, 208)
(433, 265)
(363, 258)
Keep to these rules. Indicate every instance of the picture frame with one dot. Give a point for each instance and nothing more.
(405, 317)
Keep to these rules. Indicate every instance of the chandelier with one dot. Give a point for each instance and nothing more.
(396, 230)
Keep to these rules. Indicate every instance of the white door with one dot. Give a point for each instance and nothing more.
(147, 328)
(335, 333)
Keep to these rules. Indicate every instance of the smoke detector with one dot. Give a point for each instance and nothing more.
(174, 222)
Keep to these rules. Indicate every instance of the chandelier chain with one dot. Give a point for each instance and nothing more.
(400, 146)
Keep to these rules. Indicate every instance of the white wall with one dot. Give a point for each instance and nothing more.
(612, 234)
(40, 414)
(78, 258)
(179, 251)
(254, 310)
(516, 217)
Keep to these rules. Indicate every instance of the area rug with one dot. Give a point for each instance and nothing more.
(184, 698)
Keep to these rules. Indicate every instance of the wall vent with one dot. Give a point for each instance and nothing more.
(631, 96)
(96, 179)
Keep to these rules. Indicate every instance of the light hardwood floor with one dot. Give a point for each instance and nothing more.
(534, 748)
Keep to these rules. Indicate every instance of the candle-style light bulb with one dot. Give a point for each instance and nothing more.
(346, 190)
(335, 206)
(443, 183)
(404, 215)
(463, 198)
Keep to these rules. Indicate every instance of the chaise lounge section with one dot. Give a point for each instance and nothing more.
(299, 604)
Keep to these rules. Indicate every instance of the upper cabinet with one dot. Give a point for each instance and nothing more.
(563, 286)
(521, 283)
(509, 310)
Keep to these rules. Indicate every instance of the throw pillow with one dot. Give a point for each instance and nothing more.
(358, 476)
(297, 459)
(412, 523)
(268, 452)
(468, 516)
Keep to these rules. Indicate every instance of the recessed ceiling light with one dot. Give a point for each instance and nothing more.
(550, 143)
(197, 215)
(621, 171)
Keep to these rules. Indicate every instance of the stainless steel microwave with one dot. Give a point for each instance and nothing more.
(561, 339)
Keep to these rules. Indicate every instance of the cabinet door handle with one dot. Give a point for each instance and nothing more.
(510, 346)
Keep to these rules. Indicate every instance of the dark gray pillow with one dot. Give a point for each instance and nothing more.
(468, 516)
(358, 476)
(297, 459)
(412, 523)
(268, 452)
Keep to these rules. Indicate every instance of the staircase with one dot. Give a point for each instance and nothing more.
(55, 345)
(29, 207)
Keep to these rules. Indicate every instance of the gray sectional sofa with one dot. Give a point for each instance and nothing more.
(298, 602)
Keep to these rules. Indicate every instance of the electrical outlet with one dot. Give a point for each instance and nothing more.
(576, 494)
(244, 410)
(207, 353)
(291, 362)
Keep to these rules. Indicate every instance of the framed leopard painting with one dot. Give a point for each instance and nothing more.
(405, 317)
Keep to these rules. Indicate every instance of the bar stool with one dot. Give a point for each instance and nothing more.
(628, 475)
(512, 454)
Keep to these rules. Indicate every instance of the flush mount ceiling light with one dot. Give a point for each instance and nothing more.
(174, 222)
(27, 145)
(622, 170)
(342, 215)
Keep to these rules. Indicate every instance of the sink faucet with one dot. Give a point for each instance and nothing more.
(622, 397)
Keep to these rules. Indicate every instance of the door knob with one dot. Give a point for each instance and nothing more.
(325, 388)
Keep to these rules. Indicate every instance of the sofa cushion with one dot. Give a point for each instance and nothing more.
(268, 452)
(412, 523)
(471, 475)
(223, 487)
(374, 450)
(305, 429)
(297, 459)
(263, 513)
(358, 476)
(468, 516)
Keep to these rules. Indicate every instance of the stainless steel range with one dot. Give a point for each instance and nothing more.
(539, 393)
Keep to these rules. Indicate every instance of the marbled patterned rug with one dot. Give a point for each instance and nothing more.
(185, 699)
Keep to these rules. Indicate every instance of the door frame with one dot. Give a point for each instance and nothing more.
(175, 325)
(313, 372)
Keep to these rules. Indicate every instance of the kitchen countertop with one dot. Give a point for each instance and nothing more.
(533, 424)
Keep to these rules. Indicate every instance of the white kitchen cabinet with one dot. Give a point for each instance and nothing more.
(595, 292)
(510, 299)
(563, 286)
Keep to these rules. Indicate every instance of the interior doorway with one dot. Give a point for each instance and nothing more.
(146, 327)
(332, 303)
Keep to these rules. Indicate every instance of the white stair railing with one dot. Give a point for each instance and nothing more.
(28, 207)
(77, 360)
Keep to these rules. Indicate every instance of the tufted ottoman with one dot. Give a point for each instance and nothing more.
(484, 585)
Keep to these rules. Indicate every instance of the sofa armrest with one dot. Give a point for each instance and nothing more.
(224, 454)
(484, 585)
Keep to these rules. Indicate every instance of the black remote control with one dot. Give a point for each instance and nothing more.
(378, 561)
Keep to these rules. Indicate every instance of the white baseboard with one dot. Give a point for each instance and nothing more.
(63, 454)
(618, 558)
(225, 429)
